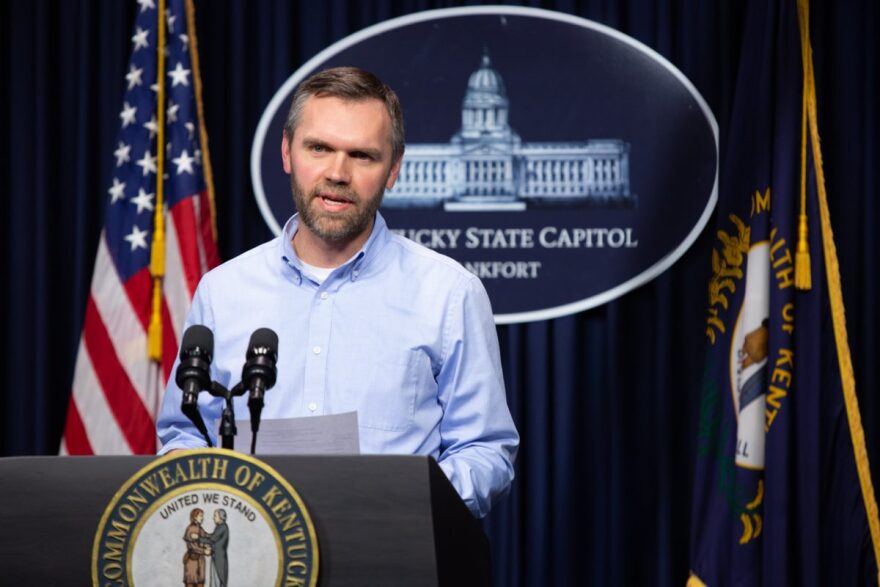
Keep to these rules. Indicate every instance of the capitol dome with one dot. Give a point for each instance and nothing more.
(485, 86)
(484, 108)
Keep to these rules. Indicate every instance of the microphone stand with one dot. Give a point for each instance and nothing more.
(191, 411)
(227, 418)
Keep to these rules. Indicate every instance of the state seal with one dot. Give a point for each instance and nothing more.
(206, 518)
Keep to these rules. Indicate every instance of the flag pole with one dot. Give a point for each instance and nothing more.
(197, 87)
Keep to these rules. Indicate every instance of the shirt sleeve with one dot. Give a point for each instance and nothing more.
(175, 430)
(478, 438)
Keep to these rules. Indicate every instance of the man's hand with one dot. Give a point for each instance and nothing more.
(754, 349)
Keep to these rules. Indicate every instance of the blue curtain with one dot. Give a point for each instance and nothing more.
(605, 400)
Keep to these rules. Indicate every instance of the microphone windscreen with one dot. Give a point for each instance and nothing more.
(197, 336)
(264, 339)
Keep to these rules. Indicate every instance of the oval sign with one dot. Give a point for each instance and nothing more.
(561, 161)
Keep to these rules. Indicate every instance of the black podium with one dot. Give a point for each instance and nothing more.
(380, 520)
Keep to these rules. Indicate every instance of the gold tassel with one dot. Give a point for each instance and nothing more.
(157, 269)
(802, 276)
(154, 332)
(157, 253)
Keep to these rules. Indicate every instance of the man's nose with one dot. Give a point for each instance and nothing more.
(339, 168)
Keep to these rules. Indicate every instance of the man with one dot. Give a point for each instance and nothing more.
(194, 557)
(368, 321)
(218, 541)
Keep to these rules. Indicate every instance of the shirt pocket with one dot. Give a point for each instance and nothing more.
(385, 395)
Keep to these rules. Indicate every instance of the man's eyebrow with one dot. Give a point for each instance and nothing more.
(312, 142)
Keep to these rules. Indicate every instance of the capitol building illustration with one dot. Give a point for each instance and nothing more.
(487, 166)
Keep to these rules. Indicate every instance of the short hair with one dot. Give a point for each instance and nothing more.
(222, 514)
(351, 84)
(195, 512)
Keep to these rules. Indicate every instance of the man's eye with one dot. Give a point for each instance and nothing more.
(318, 148)
(361, 155)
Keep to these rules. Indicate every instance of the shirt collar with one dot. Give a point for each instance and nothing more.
(354, 268)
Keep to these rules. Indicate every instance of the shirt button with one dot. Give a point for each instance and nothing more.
(313, 406)
(316, 350)
(356, 272)
(324, 295)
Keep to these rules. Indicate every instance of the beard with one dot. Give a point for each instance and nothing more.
(335, 226)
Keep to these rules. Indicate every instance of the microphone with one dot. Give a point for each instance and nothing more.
(193, 373)
(259, 374)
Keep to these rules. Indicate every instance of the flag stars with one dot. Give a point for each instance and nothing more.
(146, 5)
(179, 75)
(140, 39)
(123, 154)
(184, 39)
(184, 163)
(152, 126)
(191, 129)
(170, 18)
(137, 238)
(147, 163)
(116, 191)
(171, 111)
(134, 77)
(143, 200)
(127, 114)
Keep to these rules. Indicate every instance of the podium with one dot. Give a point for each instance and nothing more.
(380, 520)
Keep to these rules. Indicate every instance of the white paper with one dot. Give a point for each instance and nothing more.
(334, 434)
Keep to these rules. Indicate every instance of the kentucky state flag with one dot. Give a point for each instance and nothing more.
(782, 493)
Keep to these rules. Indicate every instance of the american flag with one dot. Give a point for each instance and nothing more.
(117, 387)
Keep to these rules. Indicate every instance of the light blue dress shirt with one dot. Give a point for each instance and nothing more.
(399, 333)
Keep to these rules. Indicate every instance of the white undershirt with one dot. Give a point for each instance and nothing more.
(319, 274)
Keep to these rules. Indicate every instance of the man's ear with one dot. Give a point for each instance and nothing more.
(392, 175)
(285, 154)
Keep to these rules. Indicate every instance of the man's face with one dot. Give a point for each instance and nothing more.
(200, 517)
(217, 518)
(339, 161)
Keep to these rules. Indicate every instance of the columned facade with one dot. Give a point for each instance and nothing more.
(487, 164)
